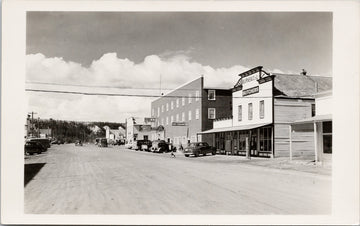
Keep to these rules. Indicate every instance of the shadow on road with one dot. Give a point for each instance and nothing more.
(31, 170)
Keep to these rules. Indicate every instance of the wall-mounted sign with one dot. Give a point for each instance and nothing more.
(250, 91)
(178, 124)
(149, 120)
(250, 78)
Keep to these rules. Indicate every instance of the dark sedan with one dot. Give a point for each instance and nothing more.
(32, 147)
(199, 148)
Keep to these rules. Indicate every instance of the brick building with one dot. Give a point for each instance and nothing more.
(190, 109)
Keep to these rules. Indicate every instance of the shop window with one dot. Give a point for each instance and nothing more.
(240, 113)
(211, 113)
(262, 109)
(265, 139)
(250, 111)
(211, 95)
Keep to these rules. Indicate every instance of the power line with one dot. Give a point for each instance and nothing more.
(135, 95)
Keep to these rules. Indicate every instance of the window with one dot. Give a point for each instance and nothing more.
(167, 120)
(172, 105)
(177, 117)
(158, 111)
(162, 108)
(183, 116)
(183, 101)
(240, 113)
(167, 106)
(190, 98)
(327, 137)
(197, 95)
(177, 103)
(172, 119)
(250, 111)
(313, 111)
(153, 112)
(146, 137)
(262, 106)
(189, 116)
(211, 113)
(197, 113)
(211, 95)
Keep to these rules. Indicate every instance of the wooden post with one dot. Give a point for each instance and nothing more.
(290, 140)
(247, 148)
(315, 143)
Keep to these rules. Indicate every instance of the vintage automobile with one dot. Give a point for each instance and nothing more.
(103, 142)
(199, 148)
(44, 141)
(159, 146)
(32, 147)
(78, 143)
(143, 145)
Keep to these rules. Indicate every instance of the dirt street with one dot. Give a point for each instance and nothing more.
(114, 180)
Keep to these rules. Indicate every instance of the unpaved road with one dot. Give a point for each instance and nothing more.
(114, 180)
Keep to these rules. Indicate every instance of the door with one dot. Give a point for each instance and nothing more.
(253, 144)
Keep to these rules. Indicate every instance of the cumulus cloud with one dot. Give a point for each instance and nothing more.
(109, 70)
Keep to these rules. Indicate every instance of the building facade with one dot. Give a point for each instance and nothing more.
(190, 109)
(142, 129)
(264, 105)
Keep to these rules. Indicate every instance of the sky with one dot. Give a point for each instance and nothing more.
(131, 52)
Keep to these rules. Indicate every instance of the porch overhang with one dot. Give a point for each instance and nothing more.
(234, 128)
(317, 118)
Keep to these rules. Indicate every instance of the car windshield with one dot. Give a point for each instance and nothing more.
(192, 145)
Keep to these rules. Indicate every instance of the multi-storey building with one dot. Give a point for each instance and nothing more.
(190, 109)
(264, 106)
(142, 129)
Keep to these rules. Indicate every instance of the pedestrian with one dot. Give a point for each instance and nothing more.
(172, 154)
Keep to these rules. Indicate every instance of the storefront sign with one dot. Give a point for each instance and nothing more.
(250, 91)
(150, 120)
(179, 124)
(250, 78)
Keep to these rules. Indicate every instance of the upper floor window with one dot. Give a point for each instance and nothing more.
(313, 110)
(172, 105)
(167, 120)
(240, 113)
(183, 101)
(162, 108)
(158, 111)
(250, 111)
(197, 113)
(177, 103)
(189, 116)
(262, 109)
(167, 106)
(211, 95)
(183, 117)
(153, 112)
(197, 95)
(190, 96)
(211, 113)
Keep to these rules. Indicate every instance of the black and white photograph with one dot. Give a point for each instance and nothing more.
(169, 113)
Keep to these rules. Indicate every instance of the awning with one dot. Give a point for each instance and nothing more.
(234, 128)
(317, 118)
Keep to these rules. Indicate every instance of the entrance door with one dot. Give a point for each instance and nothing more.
(253, 144)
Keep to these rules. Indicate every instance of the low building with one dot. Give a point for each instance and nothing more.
(142, 129)
(264, 106)
(115, 135)
(190, 109)
(320, 125)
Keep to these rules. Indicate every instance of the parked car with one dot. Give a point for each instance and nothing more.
(44, 141)
(128, 145)
(32, 147)
(197, 148)
(160, 146)
(103, 142)
(78, 143)
(143, 145)
(57, 141)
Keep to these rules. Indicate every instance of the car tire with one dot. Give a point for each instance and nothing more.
(186, 155)
(213, 153)
(196, 154)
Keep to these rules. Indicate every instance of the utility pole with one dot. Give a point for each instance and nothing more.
(32, 122)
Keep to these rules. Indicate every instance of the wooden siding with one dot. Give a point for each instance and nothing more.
(287, 111)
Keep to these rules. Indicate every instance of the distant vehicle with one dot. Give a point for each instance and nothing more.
(44, 141)
(57, 142)
(103, 142)
(197, 148)
(32, 147)
(78, 143)
(160, 146)
(128, 144)
(142, 145)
